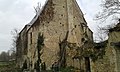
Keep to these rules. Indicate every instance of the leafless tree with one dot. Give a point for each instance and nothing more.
(15, 35)
(110, 8)
(101, 34)
(37, 9)
(110, 12)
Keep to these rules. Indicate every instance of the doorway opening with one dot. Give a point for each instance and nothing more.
(87, 64)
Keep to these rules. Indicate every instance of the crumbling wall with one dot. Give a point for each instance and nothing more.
(51, 26)
(104, 64)
(110, 61)
(114, 38)
(58, 18)
(79, 35)
(67, 41)
(21, 49)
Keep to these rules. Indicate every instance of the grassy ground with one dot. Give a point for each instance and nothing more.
(7, 66)
(11, 67)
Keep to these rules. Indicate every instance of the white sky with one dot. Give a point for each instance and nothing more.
(17, 13)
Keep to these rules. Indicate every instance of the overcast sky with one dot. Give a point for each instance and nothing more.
(17, 13)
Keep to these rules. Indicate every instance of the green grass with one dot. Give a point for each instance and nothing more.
(7, 66)
(3, 63)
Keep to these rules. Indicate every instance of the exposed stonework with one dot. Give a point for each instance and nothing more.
(114, 38)
(65, 33)
(59, 35)
(21, 44)
(110, 61)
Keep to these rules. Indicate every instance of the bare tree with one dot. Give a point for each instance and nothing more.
(37, 9)
(15, 35)
(101, 34)
(110, 8)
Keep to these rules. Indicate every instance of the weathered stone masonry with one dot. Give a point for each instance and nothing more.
(22, 45)
(110, 53)
(59, 34)
(58, 18)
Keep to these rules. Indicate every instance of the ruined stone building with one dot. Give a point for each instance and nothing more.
(114, 44)
(59, 34)
(107, 53)
(22, 45)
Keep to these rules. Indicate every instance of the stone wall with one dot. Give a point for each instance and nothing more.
(21, 44)
(56, 19)
(114, 37)
(62, 24)
(111, 59)
(67, 41)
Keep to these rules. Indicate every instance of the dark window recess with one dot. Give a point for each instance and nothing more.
(61, 14)
(81, 26)
(63, 6)
(31, 38)
(101, 44)
(82, 39)
(24, 65)
(31, 63)
(117, 44)
(75, 26)
(87, 64)
(55, 31)
(60, 23)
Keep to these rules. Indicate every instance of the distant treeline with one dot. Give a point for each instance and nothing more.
(7, 56)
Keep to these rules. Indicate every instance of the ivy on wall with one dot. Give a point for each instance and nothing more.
(92, 51)
(40, 44)
(62, 53)
(86, 50)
